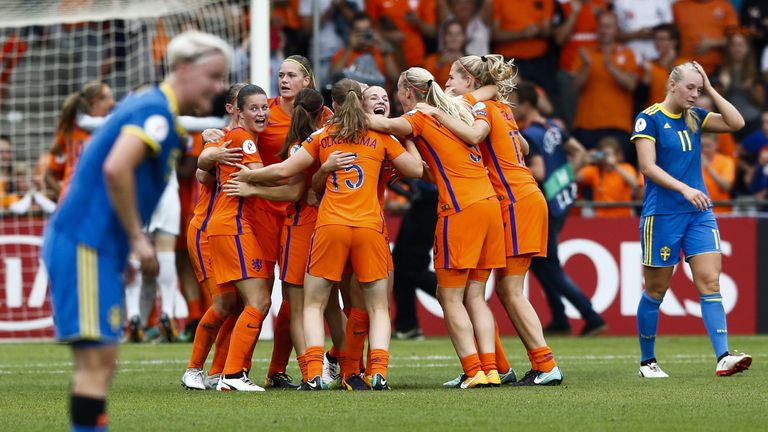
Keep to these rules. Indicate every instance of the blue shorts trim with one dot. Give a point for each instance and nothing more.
(664, 237)
(86, 291)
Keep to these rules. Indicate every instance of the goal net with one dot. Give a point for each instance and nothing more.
(48, 50)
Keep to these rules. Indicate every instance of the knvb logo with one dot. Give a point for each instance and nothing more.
(14, 283)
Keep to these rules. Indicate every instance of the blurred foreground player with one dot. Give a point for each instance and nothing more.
(120, 178)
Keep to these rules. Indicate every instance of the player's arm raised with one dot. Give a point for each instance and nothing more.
(392, 126)
(472, 135)
(126, 154)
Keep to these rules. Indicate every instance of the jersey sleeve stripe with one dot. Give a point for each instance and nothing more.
(704, 122)
(642, 136)
(140, 134)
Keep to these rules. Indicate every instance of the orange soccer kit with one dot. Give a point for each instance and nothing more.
(236, 252)
(62, 162)
(271, 223)
(350, 222)
(469, 227)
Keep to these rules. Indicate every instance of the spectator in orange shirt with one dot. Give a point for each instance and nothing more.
(606, 80)
(609, 178)
(575, 27)
(738, 80)
(654, 73)
(440, 62)
(405, 26)
(521, 30)
(8, 190)
(364, 59)
(702, 25)
(719, 172)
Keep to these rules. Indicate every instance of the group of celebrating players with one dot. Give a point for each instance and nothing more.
(292, 183)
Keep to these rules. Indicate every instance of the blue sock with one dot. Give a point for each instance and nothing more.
(78, 428)
(713, 314)
(647, 322)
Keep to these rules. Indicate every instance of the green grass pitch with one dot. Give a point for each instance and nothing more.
(601, 392)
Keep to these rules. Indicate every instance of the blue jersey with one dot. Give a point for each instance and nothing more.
(678, 152)
(559, 186)
(86, 214)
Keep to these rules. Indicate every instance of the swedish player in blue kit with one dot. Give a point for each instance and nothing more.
(118, 182)
(677, 212)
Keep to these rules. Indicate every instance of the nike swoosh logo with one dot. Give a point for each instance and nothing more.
(312, 384)
(251, 326)
(542, 377)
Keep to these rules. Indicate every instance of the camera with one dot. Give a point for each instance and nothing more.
(598, 156)
(367, 36)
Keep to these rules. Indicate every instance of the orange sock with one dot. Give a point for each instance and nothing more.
(302, 366)
(488, 362)
(501, 357)
(314, 358)
(356, 333)
(195, 313)
(281, 350)
(222, 344)
(379, 362)
(244, 337)
(205, 336)
(471, 364)
(543, 358)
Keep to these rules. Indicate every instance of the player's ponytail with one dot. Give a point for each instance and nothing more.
(349, 119)
(691, 118)
(426, 89)
(77, 103)
(490, 69)
(307, 111)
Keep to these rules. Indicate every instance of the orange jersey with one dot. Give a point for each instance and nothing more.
(518, 15)
(71, 146)
(725, 168)
(457, 168)
(206, 196)
(350, 194)
(271, 141)
(609, 186)
(698, 20)
(300, 212)
(502, 152)
(234, 215)
(396, 12)
(603, 102)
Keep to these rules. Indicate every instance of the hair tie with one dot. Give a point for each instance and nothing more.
(429, 83)
(484, 58)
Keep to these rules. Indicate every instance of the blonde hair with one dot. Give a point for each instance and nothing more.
(349, 120)
(427, 90)
(491, 69)
(690, 116)
(194, 46)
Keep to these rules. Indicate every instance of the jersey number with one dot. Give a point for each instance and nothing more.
(348, 182)
(566, 196)
(684, 139)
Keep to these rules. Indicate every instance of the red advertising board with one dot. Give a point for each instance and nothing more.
(601, 255)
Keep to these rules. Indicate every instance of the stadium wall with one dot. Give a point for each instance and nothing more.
(601, 255)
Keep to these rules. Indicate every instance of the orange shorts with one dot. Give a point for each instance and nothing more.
(215, 289)
(237, 257)
(199, 253)
(294, 251)
(471, 238)
(452, 278)
(332, 245)
(525, 226)
(516, 266)
(267, 226)
(390, 263)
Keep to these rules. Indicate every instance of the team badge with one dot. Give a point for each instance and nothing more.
(256, 264)
(640, 125)
(115, 318)
(249, 147)
(156, 127)
(665, 252)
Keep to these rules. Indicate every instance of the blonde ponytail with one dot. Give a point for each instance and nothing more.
(491, 69)
(349, 120)
(428, 90)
